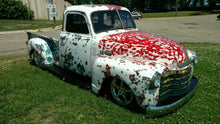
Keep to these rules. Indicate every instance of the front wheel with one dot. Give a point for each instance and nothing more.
(121, 93)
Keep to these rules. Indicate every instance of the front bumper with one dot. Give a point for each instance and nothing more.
(162, 110)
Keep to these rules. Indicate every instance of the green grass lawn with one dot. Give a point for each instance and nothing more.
(30, 95)
(8, 25)
(173, 14)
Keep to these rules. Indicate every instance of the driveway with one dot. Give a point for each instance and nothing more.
(181, 29)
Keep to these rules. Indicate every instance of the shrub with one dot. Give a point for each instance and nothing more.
(12, 9)
(196, 13)
(215, 11)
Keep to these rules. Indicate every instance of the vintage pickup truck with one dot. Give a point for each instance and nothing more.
(102, 42)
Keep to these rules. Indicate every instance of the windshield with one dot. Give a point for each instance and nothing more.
(110, 20)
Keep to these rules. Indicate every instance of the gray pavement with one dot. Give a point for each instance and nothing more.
(14, 42)
(181, 29)
(184, 29)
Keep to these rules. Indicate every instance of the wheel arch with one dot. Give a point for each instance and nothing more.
(136, 75)
(104, 70)
(105, 85)
(31, 53)
(41, 46)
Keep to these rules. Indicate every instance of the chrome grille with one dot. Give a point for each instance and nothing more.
(175, 83)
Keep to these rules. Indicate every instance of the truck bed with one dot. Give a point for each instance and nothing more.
(52, 43)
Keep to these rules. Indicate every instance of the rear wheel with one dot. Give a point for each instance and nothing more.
(38, 61)
(121, 93)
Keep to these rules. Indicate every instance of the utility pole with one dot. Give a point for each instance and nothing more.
(54, 18)
(176, 7)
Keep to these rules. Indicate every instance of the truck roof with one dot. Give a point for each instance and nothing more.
(89, 8)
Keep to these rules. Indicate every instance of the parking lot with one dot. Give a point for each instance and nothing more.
(181, 29)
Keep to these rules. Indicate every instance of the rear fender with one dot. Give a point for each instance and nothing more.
(136, 74)
(43, 49)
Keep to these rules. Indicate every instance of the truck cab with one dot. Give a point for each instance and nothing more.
(82, 29)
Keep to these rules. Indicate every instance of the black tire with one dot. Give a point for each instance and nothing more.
(121, 93)
(37, 59)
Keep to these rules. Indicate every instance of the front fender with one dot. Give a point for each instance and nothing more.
(43, 49)
(136, 74)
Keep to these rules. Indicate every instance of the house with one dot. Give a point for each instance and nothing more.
(46, 9)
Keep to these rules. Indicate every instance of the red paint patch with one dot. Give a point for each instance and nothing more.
(166, 64)
(113, 7)
(137, 73)
(107, 67)
(145, 46)
(117, 76)
(139, 62)
(110, 7)
(157, 98)
(99, 66)
(140, 99)
(152, 63)
(107, 73)
(131, 76)
(99, 82)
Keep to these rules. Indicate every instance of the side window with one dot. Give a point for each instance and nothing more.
(76, 23)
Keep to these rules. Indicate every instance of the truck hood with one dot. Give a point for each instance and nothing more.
(143, 46)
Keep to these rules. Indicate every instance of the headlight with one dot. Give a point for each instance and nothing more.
(195, 59)
(185, 63)
(155, 81)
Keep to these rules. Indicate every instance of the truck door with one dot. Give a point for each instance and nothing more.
(75, 43)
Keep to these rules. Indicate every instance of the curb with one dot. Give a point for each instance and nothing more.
(35, 30)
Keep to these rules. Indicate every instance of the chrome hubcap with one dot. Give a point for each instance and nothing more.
(121, 92)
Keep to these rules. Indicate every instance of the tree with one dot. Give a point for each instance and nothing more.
(115, 2)
(158, 5)
(162, 5)
(212, 4)
(139, 5)
(11, 9)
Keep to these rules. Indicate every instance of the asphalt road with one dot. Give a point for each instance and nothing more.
(181, 29)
